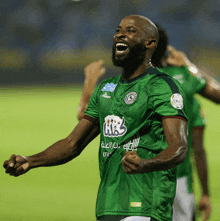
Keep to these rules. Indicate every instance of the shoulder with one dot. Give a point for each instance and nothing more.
(173, 70)
(161, 78)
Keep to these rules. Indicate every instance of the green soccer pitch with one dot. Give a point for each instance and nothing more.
(33, 118)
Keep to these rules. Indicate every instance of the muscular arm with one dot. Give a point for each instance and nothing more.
(67, 149)
(59, 153)
(175, 131)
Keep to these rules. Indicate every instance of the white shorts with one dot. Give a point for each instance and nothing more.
(136, 218)
(129, 218)
(183, 205)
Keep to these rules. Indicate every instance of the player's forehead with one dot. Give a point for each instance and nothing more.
(131, 21)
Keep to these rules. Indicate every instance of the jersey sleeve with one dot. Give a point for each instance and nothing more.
(200, 81)
(92, 112)
(198, 115)
(167, 98)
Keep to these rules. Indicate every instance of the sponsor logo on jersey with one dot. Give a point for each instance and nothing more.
(177, 101)
(130, 98)
(109, 87)
(114, 126)
(130, 145)
(105, 95)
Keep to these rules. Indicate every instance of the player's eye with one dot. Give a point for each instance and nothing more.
(117, 30)
(131, 30)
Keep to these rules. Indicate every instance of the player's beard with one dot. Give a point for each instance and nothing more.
(133, 59)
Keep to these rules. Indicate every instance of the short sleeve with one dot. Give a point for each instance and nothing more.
(198, 115)
(92, 112)
(167, 98)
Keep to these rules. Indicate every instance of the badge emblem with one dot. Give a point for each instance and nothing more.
(177, 101)
(130, 98)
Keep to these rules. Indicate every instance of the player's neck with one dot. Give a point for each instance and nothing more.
(129, 73)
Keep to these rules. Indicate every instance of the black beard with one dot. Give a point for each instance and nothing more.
(133, 59)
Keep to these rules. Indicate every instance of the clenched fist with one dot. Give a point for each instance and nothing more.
(16, 165)
(132, 163)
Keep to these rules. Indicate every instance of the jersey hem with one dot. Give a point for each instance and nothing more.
(175, 117)
(94, 120)
(153, 215)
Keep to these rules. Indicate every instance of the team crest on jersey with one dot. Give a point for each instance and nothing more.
(177, 101)
(130, 98)
(114, 126)
(109, 87)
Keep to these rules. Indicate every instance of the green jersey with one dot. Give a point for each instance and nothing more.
(130, 114)
(190, 85)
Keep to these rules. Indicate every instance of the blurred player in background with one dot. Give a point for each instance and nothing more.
(93, 72)
(200, 157)
(143, 132)
(192, 81)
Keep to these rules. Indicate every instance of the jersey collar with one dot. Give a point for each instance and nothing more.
(136, 78)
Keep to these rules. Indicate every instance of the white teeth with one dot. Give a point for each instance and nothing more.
(121, 44)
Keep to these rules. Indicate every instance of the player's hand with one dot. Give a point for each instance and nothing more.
(94, 70)
(205, 205)
(16, 165)
(176, 58)
(132, 163)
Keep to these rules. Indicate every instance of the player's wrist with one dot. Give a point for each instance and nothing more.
(144, 166)
(34, 162)
(91, 80)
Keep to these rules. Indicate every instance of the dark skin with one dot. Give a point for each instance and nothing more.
(131, 32)
(59, 153)
(201, 165)
(67, 149)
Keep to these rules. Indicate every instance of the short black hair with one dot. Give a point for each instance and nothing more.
(161, 46)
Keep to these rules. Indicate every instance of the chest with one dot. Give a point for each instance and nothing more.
(130, 101)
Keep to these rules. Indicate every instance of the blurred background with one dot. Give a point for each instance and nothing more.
(44, 47)
(50, 41)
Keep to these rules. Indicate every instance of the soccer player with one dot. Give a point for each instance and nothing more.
(200, 157)
(143, 132)
(192, 81)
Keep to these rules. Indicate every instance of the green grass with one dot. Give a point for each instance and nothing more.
(32, 118)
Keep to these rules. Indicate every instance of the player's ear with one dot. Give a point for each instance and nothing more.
(151, 43)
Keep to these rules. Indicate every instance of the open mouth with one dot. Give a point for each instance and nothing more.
(121, 48)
